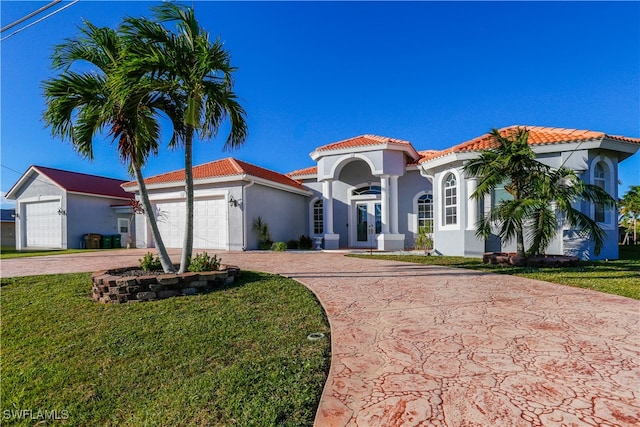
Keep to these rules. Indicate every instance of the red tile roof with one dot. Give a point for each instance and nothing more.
(362, 141)
(538, 135)
(312, 170)
(83, 183)
(221, 168)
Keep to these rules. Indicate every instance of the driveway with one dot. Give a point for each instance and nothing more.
(422, 345)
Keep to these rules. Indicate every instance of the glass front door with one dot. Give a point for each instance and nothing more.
(368, 222)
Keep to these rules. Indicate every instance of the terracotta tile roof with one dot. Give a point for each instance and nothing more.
(83, 183)
(538, 135)
(362, 141)
(221, 168)
(423, 154)
(312, 170)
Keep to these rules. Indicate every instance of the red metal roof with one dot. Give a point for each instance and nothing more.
(221, 168)
(362, 141)
(538, 135)
(83, 183)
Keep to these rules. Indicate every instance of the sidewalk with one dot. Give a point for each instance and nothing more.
(423, 345)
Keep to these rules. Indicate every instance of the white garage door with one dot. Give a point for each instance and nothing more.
(43, 224)
(209, 223)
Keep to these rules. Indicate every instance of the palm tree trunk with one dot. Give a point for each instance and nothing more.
(187, 246)
(167, 266)
(520, 243)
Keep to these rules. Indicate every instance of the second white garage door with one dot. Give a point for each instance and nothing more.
(209, 223)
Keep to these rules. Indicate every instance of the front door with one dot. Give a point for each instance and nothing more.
(368, 221)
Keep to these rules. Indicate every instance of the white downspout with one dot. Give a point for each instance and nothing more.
(244, 215)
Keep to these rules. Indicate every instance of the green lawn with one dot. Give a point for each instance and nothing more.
(237, 356)
(8, 253)
(619, 277)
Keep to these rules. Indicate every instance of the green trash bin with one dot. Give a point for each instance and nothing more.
(116, 241)
(106, 242)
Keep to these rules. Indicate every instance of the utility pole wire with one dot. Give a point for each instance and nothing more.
(32, 14)
(39, 20)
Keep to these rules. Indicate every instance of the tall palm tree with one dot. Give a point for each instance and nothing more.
(539, 193)
(202, 74)
(630, 211)
(80, 107)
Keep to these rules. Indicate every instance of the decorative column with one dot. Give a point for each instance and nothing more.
(394, 204)
(331, 240)
(384, 199)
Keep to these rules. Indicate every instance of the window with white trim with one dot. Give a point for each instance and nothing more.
(599, 180)
(450, 191)
(425, 212)
(318, 217)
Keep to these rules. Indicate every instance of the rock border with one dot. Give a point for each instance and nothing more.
(112, 287)
(510, 258)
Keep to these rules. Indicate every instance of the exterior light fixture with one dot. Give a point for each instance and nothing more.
(61, 211)
(234, 202)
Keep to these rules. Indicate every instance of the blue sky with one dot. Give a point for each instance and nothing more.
(311, 73)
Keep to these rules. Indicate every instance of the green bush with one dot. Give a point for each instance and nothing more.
(150, 263)
(279, 247)
(203, 262)
(305, 242)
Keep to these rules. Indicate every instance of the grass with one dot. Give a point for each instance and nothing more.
(236, 356)
(8, 253)
(618, 277)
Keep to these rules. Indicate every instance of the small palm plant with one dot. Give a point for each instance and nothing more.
(424, 239)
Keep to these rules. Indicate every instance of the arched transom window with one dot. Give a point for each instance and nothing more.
(450, 191)
(366, 190)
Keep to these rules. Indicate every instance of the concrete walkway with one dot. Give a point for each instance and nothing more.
(419, 345)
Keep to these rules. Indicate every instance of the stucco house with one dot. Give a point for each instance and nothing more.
(374, 191)
(56, 208)
(229, 195)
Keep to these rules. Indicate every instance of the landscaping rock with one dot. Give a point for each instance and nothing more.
(144, 296)
(167, 294)
(167, 279)
(189, 291)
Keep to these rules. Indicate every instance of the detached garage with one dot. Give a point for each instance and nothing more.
(229, 195)
(55, 208)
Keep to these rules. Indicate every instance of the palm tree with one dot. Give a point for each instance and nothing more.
(512, 162)
(630, 211)
(539, 193)
(202, 75)
(83, 106)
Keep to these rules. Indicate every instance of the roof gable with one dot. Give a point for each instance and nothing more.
(538, 135)
(228, 167)
(362, 141)
(76, 182)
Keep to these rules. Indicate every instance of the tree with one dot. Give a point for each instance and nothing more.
(512, 162)
(201, 74)
(81, 107)
(538, 194)
(630, 211)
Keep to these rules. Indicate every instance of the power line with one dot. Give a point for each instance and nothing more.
(31, 15)
(39, 20)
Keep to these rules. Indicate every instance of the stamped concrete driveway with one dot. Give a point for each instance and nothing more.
(420, 345)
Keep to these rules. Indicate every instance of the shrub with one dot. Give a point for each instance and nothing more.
(150, 263)
(261, 228)
(203, 262)
(279, 247)
(305, 242)
(292, 244)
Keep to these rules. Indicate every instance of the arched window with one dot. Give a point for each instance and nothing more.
(425, 212)
(450, 191)
(600, 181)
(318, 217)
